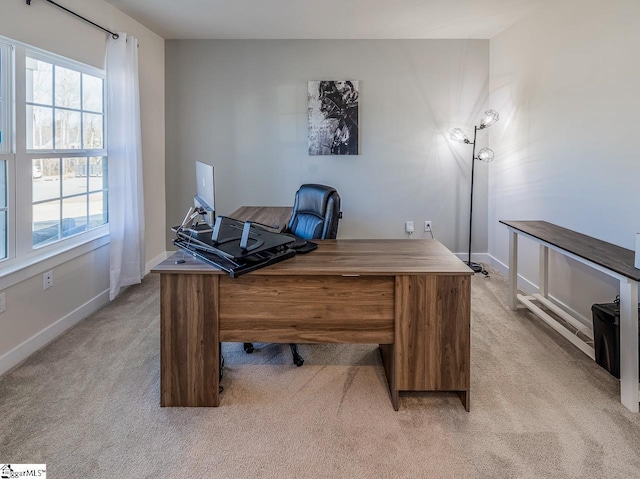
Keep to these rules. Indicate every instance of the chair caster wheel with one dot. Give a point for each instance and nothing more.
(220, 389)
(248, 348)
(298, 361)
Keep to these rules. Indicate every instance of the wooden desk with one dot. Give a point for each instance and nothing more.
(277, 217)
(412, 297)
(608, 258)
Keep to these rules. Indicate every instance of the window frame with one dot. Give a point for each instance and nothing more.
(21, 253)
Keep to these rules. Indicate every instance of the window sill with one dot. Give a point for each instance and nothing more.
(13, 272)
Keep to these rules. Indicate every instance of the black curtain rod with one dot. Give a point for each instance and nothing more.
(115, 36)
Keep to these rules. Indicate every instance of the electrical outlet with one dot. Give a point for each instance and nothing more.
(408, 227)
(3, 302)
(427, 225)
(47, 280)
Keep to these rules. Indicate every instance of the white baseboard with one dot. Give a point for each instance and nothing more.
(523, 283)
(154, 262)
(531, 288)
(475, 257)
(44, 337)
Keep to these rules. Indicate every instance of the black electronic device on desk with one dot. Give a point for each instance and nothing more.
(234, 246)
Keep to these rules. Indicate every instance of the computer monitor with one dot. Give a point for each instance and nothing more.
(205, 192)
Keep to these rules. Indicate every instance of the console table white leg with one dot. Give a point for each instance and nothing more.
(513, 269)
(544, 271)
(629, 344)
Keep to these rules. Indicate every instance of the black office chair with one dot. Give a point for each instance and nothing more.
(315, 215)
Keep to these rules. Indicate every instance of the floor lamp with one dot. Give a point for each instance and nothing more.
(485, 154)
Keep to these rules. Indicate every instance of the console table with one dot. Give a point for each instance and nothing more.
(608, 258)
(412, 297)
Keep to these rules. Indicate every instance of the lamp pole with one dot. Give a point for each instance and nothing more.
(473, 164)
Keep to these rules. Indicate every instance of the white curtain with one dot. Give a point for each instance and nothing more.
(126, 204)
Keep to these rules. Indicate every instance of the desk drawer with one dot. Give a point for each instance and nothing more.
(311, 309)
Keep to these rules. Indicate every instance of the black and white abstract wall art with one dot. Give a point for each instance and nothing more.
(333, 117)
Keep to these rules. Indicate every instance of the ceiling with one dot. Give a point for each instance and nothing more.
(327, 19)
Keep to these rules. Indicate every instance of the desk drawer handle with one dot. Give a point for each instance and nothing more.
(350, 275)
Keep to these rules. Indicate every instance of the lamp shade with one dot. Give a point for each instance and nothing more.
(458, 135)
(490, 117)
(486, 154)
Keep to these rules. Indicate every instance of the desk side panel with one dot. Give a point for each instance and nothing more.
(433, 333)
(309, 309)
(189, 349)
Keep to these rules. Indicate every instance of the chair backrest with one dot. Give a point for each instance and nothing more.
(316, 212)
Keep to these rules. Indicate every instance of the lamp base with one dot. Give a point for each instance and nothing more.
(477, 267)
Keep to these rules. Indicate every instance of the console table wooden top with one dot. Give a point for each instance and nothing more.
(607, 255)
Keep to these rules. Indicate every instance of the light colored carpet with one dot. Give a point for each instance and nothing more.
(87, 405)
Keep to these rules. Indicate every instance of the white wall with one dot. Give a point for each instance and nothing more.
(241, 105)
(565, 80)
(33, 316)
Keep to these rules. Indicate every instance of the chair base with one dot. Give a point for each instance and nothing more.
(297, 359)
(220, 388)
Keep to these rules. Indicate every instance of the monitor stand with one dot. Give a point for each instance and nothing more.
(200, 228)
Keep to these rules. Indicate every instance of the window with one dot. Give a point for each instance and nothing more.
(53, 156)
(3, 209)
(65, 116)
(69, 196)
(64, 108)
